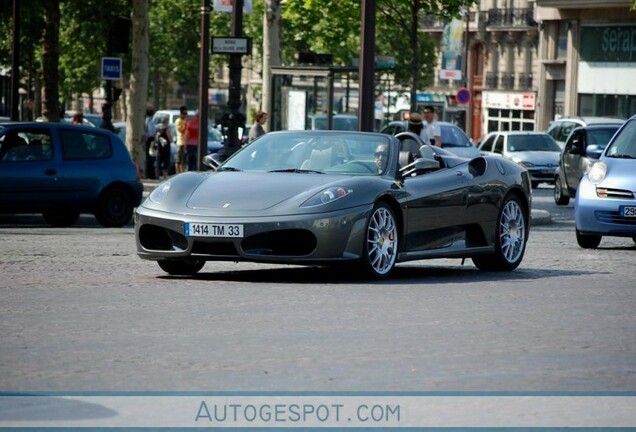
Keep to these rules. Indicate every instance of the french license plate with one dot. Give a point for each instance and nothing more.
(627, 211)
(213, 230)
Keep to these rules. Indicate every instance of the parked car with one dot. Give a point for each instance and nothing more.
(605, 203)
(62, 170)
(90, 119)
(355, 203)
(340, 122)
(453, 138)
(561, 129)
(582, 148)
(535, 151)
(172, 115)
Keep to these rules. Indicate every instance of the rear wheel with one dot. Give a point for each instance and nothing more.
(61, 219)
(587, 241)
(559, 197)
(114, 208)
(181, 267)
(510, 243)
(380, 243)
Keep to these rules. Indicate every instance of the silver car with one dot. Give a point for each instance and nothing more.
(535, 151)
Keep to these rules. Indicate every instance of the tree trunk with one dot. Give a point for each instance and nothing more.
(137, 97)
(51, 60)
(271, 51)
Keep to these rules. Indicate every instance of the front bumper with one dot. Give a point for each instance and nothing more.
(306, 238)
(600, 216)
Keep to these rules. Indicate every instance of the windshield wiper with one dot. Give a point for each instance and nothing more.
(228, 168)
(297, 170)
(622, 156)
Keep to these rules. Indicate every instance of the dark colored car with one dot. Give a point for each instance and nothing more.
(363, 199)
(582, 148)
(62, 170)
(453, 138)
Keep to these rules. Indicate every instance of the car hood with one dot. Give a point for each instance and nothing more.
(537, 157)
(258, 191)
(620, 173)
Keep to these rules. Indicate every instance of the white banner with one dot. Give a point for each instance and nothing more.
(226, 6)
(306, 410)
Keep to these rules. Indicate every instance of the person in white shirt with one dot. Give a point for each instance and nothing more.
(432, 129)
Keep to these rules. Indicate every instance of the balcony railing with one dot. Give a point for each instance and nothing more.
(492, 80)
(509, 17)
(508, 81)
(525, 81)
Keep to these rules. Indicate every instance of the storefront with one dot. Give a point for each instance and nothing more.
(508, 111)
(607, 68)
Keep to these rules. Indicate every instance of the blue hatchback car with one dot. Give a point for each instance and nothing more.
(605, 203)
(62, 170)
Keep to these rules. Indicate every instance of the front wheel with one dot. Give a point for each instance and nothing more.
(511, 238)
(380, 243)
(587, 241)
(559, 197)
(181, 267)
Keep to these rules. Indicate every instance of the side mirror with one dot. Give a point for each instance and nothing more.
(419, 166)
(212, 161)
(594, 151)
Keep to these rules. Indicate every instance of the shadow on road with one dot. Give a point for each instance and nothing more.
(402, 275)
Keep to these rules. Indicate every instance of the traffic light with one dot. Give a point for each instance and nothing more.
(119, 35)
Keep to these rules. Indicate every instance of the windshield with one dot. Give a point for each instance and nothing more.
(323, 152)
(452, 136)
(624, 143)
(532, 142)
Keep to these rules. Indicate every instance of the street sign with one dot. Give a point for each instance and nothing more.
(231, 45)
(111, 68)
(463, 96)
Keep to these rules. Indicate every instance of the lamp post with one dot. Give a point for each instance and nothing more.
(204, 78)
(367, 67)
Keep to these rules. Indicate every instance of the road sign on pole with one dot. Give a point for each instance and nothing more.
(463, 96)
(111, 68)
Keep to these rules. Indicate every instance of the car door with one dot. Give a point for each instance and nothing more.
(28, 166)
(437, 207)
(86, 167)
(572, 160)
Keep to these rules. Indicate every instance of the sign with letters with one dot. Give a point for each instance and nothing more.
(111, 68)
(231, 45)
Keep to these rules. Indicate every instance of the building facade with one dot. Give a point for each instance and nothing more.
(587, 59)
(501, 50)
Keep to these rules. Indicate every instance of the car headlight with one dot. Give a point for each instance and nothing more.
(160, 192)
(327, 196)
(597, 172)
(525, 164)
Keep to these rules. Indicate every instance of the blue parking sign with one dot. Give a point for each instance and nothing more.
(111, 68)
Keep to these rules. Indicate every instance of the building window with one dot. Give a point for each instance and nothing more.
(562, 41)
(603, 105)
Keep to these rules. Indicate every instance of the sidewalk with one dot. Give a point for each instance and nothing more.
(537, 217)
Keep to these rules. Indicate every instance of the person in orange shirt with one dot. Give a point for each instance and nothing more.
(192, 142)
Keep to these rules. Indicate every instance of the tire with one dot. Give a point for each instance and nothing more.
(114, 208)
(380, 248)
(181, 267)
(511, 238)
(588, 241)
(559, 197)
(61, 219)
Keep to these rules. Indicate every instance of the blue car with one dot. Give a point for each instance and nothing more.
(62, 170)
(605, 203)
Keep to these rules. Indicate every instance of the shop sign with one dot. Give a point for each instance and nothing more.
(520, 101)
(608, 44)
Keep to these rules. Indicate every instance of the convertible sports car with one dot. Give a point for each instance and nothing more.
(339, 197)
